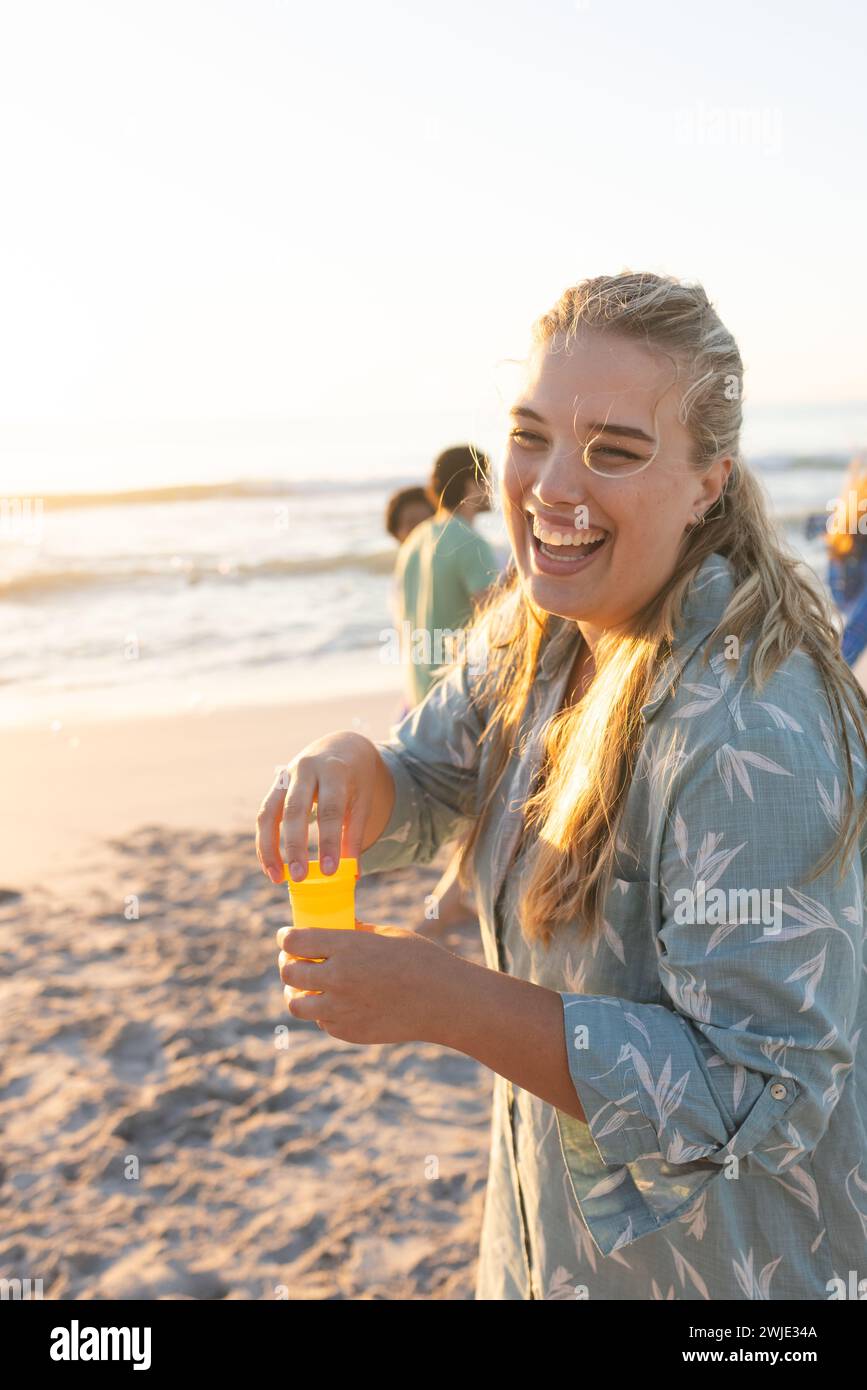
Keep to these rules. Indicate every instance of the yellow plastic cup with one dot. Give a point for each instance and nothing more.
(323, 900)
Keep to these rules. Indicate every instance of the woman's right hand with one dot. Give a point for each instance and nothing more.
(353, 791)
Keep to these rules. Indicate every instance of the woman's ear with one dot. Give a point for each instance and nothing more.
(713, 485)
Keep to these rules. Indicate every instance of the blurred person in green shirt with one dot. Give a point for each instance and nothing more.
(443, 568)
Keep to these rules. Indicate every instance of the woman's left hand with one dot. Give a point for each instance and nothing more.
(378, 984)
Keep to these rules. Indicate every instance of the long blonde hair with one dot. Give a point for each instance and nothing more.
(590, 748)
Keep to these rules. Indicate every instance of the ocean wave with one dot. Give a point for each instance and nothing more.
(35, 583)
(208, 492)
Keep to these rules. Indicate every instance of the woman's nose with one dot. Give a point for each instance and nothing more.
(561, 478)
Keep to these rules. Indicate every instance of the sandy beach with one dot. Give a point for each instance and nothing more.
(169, 1131)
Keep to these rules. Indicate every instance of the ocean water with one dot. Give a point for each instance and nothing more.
(216, 583)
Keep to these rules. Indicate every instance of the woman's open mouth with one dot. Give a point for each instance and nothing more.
(558, 550)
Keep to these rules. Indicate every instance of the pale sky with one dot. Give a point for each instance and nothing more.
(240, 209)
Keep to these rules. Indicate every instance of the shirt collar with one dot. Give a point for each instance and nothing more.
(703, 606)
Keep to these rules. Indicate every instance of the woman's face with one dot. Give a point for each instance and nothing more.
(600, 392)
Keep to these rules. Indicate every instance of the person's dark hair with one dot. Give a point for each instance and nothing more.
(406, 496)
(454, 472)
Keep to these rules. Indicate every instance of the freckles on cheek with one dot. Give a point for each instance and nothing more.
(659, 517)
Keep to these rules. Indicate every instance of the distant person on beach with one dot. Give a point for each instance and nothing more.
(405, 510)
(846, 538)
(659, 777)
(443, 568)
(844, 527)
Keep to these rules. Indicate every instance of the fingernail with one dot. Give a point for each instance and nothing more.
(296, 869)
(328, 865)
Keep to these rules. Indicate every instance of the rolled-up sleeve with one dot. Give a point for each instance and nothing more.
(742, 1064)
(433, 757)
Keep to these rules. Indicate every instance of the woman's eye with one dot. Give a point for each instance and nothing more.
(617, 453)
(525, 435)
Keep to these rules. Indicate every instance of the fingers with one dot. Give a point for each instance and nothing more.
(342, 809)
(332, 801)
(305, 1006)
(268, 830)
(301, 973)
(307, 943)
(296, 815)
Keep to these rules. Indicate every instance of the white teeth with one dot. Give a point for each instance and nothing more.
(584, 537)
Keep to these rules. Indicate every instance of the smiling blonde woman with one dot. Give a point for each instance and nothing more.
(661, 775)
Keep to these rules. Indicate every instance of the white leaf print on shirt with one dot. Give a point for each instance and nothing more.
(613, 940)
(854, 1182)
(685, 1271)
(736, 707)
(811, 971)
(806, 1190)
(729, 761)
(541, 1131)
(740, 1081)
(828, 740)
(561, 1285)
(831, 806)
(753, 1288)
(775, 1050)
(711, 864)
(792, 1150)
(665, 1096)
(696, 1218)
(708, 697)
(739, 1074)
(681, 837)
(835, 1090)
(691, 997)
(625, 1237)
(615, 1121)
(718, 937)
(606, 1185)
(636, 1023)
(815, 916)
(678, 1151)
(583, 1240)
(574, 976)
(781, 717)
(661, 766)
(656, 1292)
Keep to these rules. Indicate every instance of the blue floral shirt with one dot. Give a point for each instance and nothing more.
(714, 1029)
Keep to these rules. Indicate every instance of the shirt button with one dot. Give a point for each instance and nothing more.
(778, 1091)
